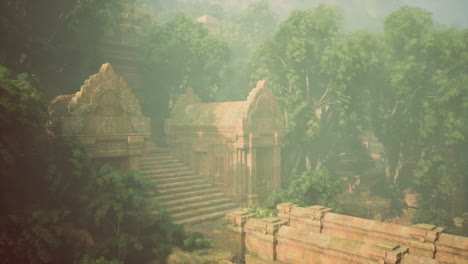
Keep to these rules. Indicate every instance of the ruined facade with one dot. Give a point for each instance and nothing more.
(208, 22)
(314, 235)
(106, 117)
(235, 145)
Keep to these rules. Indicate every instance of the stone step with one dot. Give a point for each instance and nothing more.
(176, 179)
(204, 217)
(152, 166)
(175, 185)
(184, 194)
(169, 175)
(192, 199)
(203, 210)
(165, 171)
(157, 150)
(195, 206)
(156, 161)
(161, 158)
(163, 192)
(187, 194)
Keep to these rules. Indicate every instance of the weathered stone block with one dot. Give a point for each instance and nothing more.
(452, 249)
(260, 236)
(391, 253)
(238, 219)
(308, 219)
(284, 211)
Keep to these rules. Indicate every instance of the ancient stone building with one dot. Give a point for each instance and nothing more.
(235, 145)
(315, 235)
(208, 22)
(120, 46)
(106, 117)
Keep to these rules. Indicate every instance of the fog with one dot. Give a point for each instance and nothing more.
(359, 14)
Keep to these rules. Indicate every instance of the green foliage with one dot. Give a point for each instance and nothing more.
(178, 55)
(244, 33)
(123, 218)
(19, 99)
(166, 10)
(311, 188)
(32, 237)
(101, 260)
(262, 211)
(316, 79)
(384, 189)
(56, 204)
(196, 240)
(55, 40)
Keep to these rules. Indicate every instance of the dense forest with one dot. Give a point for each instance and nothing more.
(404, 79)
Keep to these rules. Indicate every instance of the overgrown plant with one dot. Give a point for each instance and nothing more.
(319, 187)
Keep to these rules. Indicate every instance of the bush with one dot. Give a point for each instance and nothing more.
(195, 240)
(261, 211)
(123, 218)
(101, 260)
(312, 188)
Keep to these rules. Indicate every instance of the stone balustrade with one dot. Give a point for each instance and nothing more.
(315, 235)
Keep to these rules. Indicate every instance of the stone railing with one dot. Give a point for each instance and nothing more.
(315, 235)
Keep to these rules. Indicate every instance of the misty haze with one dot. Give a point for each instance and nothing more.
(249, 131)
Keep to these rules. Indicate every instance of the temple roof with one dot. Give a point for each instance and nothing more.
(218, 114)
(259, 105)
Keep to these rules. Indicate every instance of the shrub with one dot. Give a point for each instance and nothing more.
(195, 240)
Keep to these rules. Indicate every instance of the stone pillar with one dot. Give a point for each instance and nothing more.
(424, 236)
(284, 211)
(387, 253)
(237, 220)
(260, 237)
(252, 196)
(236, 223)
(276, 167)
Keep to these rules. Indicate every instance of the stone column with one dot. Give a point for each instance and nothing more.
(252, 196)
(276, 168)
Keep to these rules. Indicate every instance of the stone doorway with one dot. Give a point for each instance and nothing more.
(264, 172)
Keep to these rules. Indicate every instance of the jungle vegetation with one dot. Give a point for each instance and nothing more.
(406, 83)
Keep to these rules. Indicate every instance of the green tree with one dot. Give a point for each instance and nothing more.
(167, 10)
(56, 205)
(398, 101)
(244, 32)
(312, 88)
(441, 175)
(55, 41)
(180, 54)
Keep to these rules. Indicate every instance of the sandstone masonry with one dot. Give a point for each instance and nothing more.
(315, 235)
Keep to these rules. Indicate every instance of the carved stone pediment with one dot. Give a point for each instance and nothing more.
(262, 111)
(105, 105)
(104, 114)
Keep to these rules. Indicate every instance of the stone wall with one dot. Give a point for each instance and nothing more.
(315, 235)
(235, 145)
(106, 117)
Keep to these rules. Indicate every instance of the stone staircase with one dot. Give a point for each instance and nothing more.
(187, 197)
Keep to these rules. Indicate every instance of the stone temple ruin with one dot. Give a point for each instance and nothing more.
(106, 117)
(235, 145)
